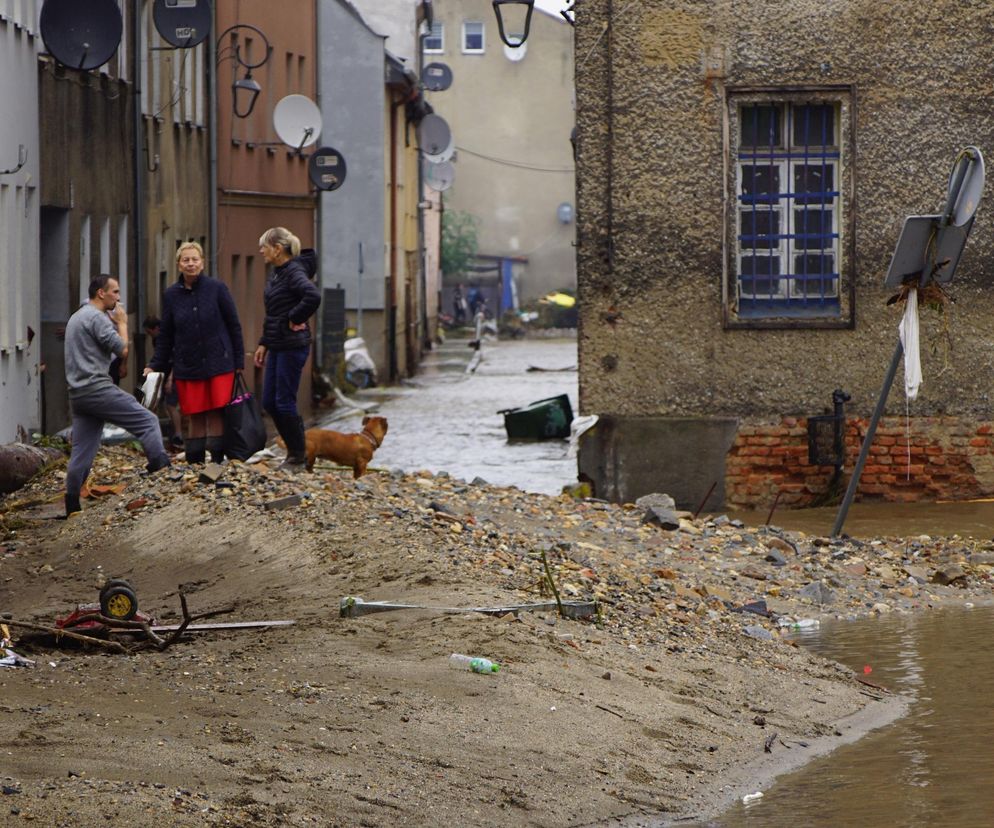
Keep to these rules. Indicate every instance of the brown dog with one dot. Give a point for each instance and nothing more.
(355, 450)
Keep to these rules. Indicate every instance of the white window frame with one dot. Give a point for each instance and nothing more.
(483, 38)
(437, 31)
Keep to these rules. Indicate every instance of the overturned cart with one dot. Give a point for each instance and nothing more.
(115, 623)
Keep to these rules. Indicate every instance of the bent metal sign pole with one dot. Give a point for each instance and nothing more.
(929, 249)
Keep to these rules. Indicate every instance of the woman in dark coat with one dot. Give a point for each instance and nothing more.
(291, 298)
(200, 341)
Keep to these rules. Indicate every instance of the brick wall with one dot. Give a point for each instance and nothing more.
(930, 458)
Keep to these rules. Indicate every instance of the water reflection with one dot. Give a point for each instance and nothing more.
(447, 420)
(930, 768)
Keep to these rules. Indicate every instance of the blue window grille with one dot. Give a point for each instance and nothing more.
(788, 210)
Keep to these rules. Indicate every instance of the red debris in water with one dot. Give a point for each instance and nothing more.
(867, 670)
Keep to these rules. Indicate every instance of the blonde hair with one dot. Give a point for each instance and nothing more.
(281, 237)
(190, 245)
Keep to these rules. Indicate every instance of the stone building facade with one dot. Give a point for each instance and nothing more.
(743, 174)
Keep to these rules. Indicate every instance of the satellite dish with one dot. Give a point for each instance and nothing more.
(440, 176)
(433, 135)
(515, 53)
(437, 77)
(445, 155)
(968, 175)
(81, 34)
(564, 212)
(297, 120)
(326, 169)
(182, 23)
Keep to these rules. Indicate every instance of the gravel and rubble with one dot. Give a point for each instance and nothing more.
(662, 706)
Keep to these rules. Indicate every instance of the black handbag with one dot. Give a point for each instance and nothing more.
(244, 430)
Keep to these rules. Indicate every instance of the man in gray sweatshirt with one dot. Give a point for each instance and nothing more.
(92, 342)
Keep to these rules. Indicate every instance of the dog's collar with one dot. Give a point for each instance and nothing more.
(368, 436)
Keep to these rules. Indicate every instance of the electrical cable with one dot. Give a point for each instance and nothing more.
(520, 164)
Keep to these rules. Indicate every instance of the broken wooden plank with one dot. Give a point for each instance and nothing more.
(354, 607)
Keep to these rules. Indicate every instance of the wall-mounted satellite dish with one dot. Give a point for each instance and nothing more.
(182, 23)
(968, 175)
(433, 134)
(297, 120)
(82, 34)
(440, 176)
(515, 53)
(444, 155)
(437, 77)
(326, 169)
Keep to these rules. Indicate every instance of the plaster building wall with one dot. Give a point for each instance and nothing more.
(401, 23)
(511, 121)
(175, 152)
(20, 328)
(433, 259)
(87, 196)
(262, 183)
(396, 21)
(351, 85)
(684, 378)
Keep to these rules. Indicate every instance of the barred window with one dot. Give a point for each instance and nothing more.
(789, 212)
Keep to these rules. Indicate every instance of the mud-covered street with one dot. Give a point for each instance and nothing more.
(661, 707)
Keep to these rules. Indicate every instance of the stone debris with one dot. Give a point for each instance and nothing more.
(653, 583)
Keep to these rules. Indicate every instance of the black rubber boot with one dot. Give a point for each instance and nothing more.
(291, 427)
(72, 504)
(196, 449)
(215, 445)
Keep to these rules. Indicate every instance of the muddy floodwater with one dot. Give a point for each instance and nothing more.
(446, 419)
(931, 768)
(867, 520)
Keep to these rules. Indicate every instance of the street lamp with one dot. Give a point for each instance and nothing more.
(529, 5)
(244, 91)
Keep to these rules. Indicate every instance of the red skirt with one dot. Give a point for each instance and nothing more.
(198, 396)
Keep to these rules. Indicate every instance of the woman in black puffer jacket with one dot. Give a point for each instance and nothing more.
(291, 299)
(200, 341)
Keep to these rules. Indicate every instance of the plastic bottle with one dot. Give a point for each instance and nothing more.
(477, 665)
(806, 624)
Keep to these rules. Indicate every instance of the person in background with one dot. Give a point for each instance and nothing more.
(459, 305)
(91, 341)
(170, 398)
(291, 298)
(200, 342)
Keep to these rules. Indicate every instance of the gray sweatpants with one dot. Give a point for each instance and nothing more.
(108, 404)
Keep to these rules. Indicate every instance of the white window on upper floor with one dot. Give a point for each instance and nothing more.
(472, 38)
(434, 42)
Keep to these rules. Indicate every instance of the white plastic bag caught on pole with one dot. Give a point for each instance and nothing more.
(909, 339)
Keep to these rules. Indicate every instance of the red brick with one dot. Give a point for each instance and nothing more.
(980, 442)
